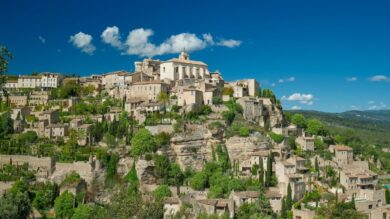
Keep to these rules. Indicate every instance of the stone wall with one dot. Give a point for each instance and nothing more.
(43, 165)
(160, 128)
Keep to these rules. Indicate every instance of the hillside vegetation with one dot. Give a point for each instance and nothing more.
(371, 126)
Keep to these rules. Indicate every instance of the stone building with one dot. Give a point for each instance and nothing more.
(39, 98)
(217, 206)
(343, 154)
(182, 67)
(56, 130)
(306, 143)
(246, 87)
(191, 98)
(18, 100)
(148, 90)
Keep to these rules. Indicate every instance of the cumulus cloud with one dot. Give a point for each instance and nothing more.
(352, 79)
(373, 107)
(229, 43)
(138, 42)
(379, 78)
(290, 79)
(111, 36)
(355, 107)
(302, 98)
(43, 40)
(84, 42)
(296, 108)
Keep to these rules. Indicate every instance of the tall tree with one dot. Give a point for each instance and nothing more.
(289, 200)
(283, 212)
(261, 173)
(268, 174)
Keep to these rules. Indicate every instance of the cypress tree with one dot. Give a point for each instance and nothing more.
(283, 213)
(387, 195)
(261, 174)
(317, 168)
(269, 171)
(289, 197)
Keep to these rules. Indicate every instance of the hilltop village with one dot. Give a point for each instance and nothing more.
(172, 140)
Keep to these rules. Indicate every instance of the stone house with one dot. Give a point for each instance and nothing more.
(147, 90)
(286, 172)
(116, 79)
(275, 199)
(217, 206)
(39, 98)
(18, 100)
(343, 154)
(56, 130)
(239, 198)
(52, 116)
(306, 143)
(303, 213)
(21, 112)
(246, 87)
(190, 97)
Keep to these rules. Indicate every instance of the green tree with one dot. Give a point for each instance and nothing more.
(199, 181)
(387, 195)
(83, 211)
(315, 127)
(176, 177)
(15, 205)
(283, 212)
(268, 174)
(163, 98)
(45, 196)
(228, 116)
(261, 173)
(142, 142)
(299, 120)
(289, 200)
(5, 56)
(63, 205)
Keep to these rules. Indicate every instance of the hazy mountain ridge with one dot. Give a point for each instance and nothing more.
(372, 126)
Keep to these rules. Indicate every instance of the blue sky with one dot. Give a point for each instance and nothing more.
(327, 55)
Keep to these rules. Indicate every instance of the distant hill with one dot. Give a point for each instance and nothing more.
(372, 126)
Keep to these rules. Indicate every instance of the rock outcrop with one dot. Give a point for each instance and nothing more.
(145, 171)
(193, 147)
(241, 148)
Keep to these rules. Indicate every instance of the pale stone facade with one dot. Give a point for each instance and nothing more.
(306, 143)
(182, 67)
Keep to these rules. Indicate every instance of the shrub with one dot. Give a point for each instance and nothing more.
(276, 137)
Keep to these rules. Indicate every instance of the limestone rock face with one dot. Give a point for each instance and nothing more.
(145, 171)
(241, 148)
(124, 165)
(193, 147)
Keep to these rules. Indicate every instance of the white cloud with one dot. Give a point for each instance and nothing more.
(296, 108)
(373, 107)
(352, 79)
(43, 40)
(208, 38)
(111, 36)
(84, 42)
(302, 98)
(371, 102)
(273, 84)
(229, 43)
(379, 78)
(138, 42)
(355, 107)
(290, 79)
